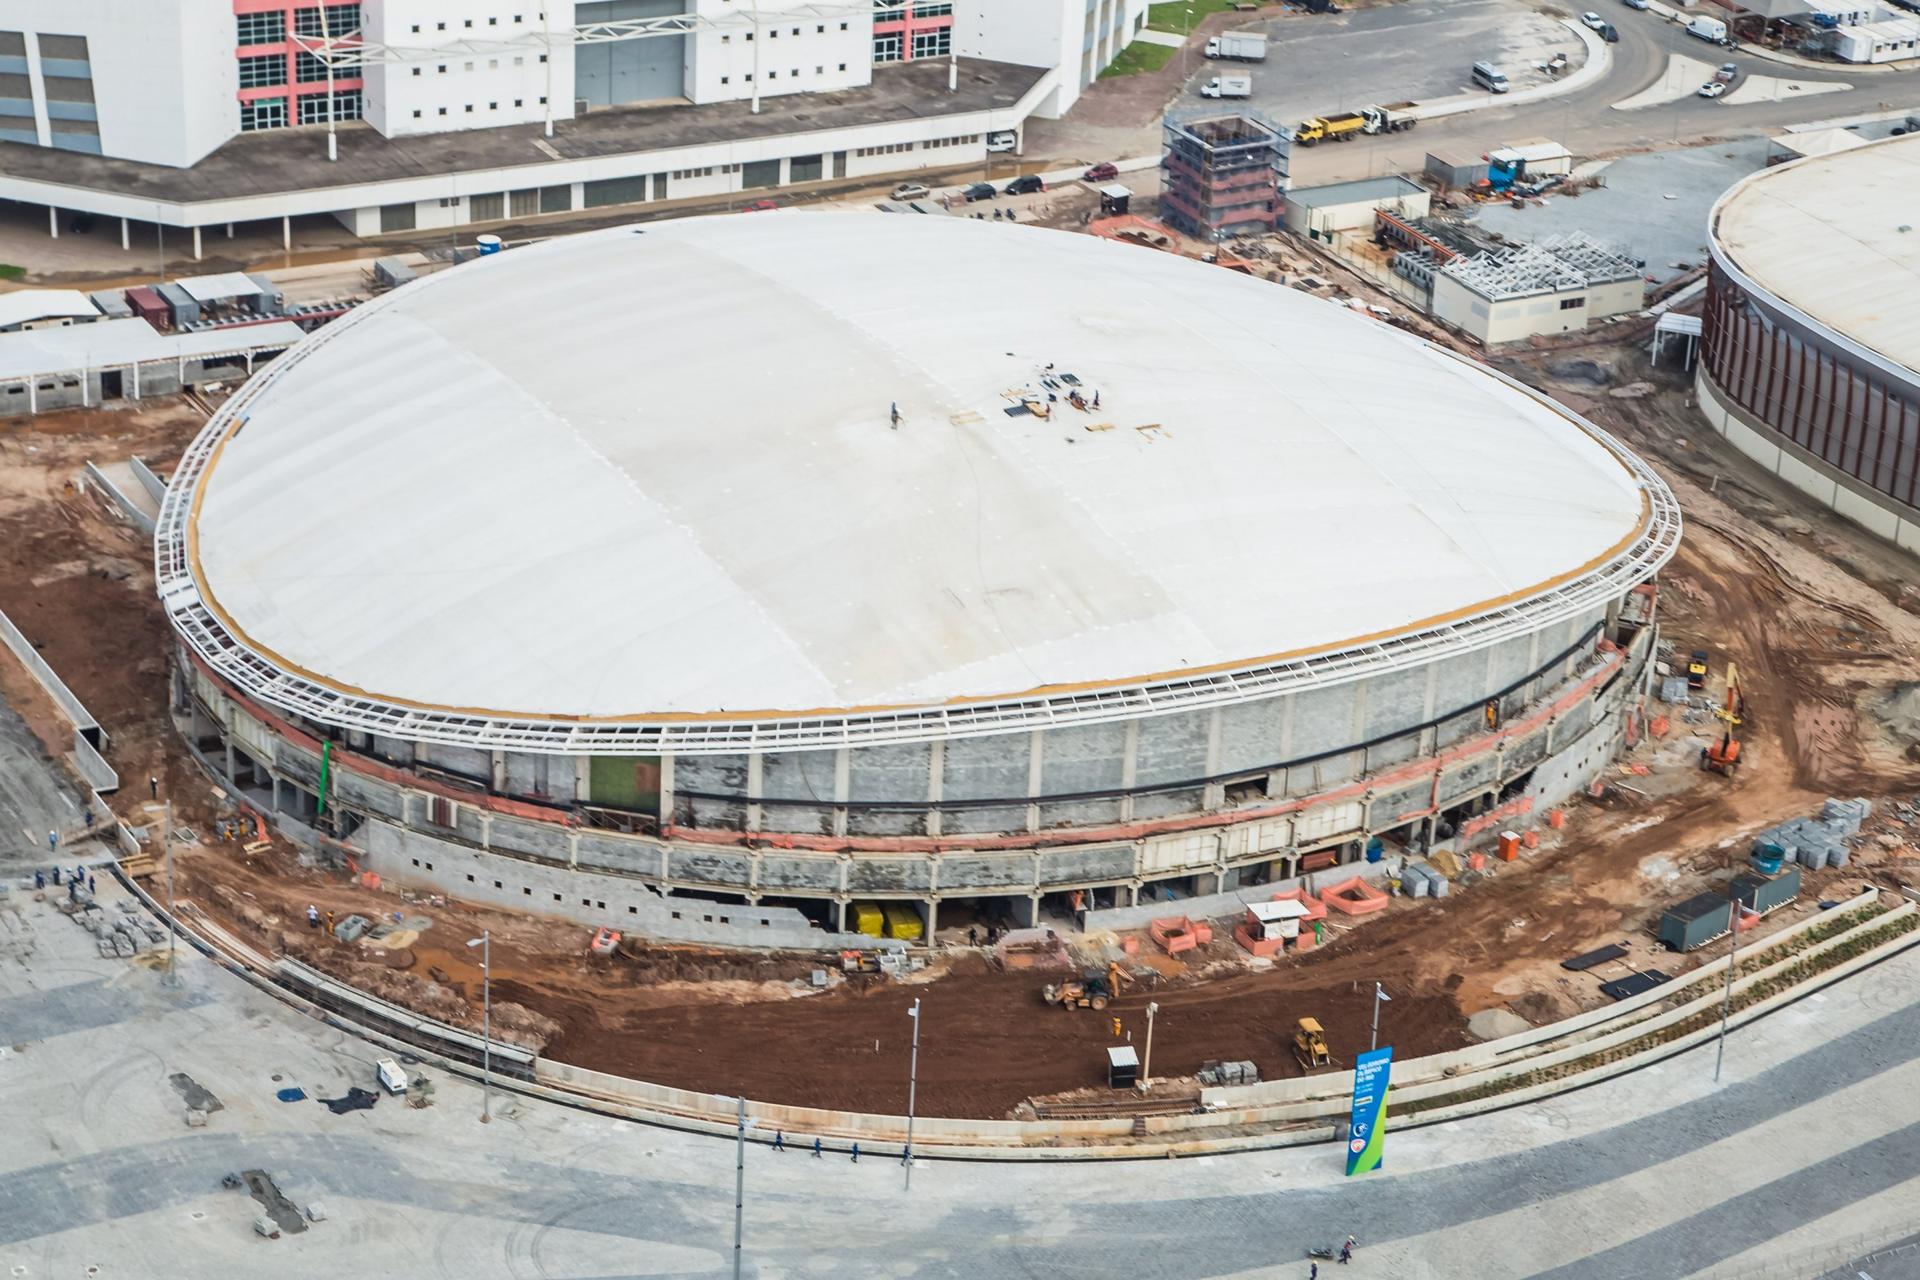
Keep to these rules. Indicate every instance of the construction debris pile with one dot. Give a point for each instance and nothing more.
(124, 934)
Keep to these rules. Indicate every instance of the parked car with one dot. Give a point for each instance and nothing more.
(1592, 20)
(911, 191)
(1728, 72)
(758, 206)
(1609, 33)
(1105, 171)
(1636, 4)
(1005, 140)
(979, 191)
(1712, 89)
(1025, 184)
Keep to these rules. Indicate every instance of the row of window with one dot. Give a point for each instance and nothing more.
(707, 172)
(271, 113)
(921, 9)
(596, 904)
(493, 64)
(491, 106)
(271, 27)
(773, 33)
(466, 24)
(964, 140)
(792, 74)
(926, 44)
(896, 148)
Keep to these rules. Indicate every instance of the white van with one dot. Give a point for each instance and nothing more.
(392, 1078)
(1002, 141)
(1490, 77)
(1708, 29)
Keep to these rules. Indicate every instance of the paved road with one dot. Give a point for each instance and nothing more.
(34, 799)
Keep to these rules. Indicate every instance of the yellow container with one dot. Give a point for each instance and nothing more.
(867, 918)
(903, 922)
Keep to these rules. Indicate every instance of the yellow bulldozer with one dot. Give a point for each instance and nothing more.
(1092, 990)
(1310, 1045)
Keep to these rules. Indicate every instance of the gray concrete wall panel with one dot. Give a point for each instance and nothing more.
(889, 773)
(797, 775)
(982, 821)
(1462, 681)
(1251, 737)
(787, 873)
(1393, 807)
(297, 763)
(368, 794)
(890, 875)
(986, 768)
(393, 750)
(716, 775)
(1083, 758)
(1083, 866)
(886, 823)
(722, 867)
(1395, 702)
(1529, 750)
(468, 762)
(1079, 813)
(541, 839)
(632, 857)
(1508, 661)
(986, 873)
(1322, 720)
(1165, 804)
(1174, 748)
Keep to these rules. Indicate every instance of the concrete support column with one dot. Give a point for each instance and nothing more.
(1033, 910)
(228, 743)
(276, 793)
(486, 830)
(933, 918)
(286, 231)
(1037, 742)
(1213, 795)
(229, 231)
(753, 790)
(573, 850)
(936, 783)
(497, 772)
(196, 244)
(842, 788)
(53, 222)
(126, 241)
(840, 914)
(666, 789)
(1129, 769)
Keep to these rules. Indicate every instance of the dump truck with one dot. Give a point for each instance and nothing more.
(1092, 990)
(1228, 87)
(1310, 1045)
(1239, 46)
(1344, 127)
(1391, 117)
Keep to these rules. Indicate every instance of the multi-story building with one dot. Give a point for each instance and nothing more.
(651, 88)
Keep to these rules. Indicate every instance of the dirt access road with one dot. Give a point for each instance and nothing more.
(1819, 617)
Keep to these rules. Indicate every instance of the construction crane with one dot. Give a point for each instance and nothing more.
(1724, 756)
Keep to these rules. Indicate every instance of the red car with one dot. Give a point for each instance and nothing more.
(1105, 171)
(758, 206)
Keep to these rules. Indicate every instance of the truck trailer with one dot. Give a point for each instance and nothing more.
(1238, 46)
(1391, 117)
(1228, 87)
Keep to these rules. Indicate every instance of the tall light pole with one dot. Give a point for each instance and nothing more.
(913, 1081)
(1378, 996)
(485, 943)
(739, 1184)
(1146, 1068)
(173, 929)
(1726, 999)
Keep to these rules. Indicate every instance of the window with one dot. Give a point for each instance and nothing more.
(416, 115)
(416, 71)
(887, 48)
(308, 68)
(933, 10)
(725, 79)
(340, 19)
(257, 73)
(441, 69)
(416, 28)
(496, 884)
(527, 892)
(261, 28)
(263, 113)
(346, 106)
(493, 106)
(443, 111)
(469, 877)
(843, 66)
(933, 44)
(774, 34)
(1572, 304)
(486, 208)
(519, 102)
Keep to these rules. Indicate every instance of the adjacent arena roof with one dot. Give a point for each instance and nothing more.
(1837, 237)
(650, 474)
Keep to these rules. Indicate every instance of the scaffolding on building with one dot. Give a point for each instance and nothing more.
(1226, 174)
(1554, 265)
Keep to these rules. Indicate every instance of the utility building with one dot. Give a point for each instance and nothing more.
(1226, 175)
(1557, 285)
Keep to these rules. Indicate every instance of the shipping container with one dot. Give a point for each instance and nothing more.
(1696, 922)
(146, 302)
(181, 307)
(1762, 894)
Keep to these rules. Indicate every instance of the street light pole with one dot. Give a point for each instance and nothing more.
(1378, 996)
(485, 943)
(1146, 1069)
(739, 1184)
(173, 930)
(913, 1082)
(1726, 999)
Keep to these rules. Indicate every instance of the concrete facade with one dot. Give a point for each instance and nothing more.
(1515, 319)
(1166, 807)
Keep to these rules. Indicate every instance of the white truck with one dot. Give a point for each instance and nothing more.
(392, 1078)
(1240, 46)
(1228, 87)
(1708, 29)
(1391, 117)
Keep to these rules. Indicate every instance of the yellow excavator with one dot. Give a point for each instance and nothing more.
(1092, 990)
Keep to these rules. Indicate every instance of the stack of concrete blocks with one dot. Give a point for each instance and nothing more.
(1674, 689)
(1819, 842)
(1419, 880)
(1219, 1074)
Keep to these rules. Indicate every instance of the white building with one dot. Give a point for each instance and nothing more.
(1558, 285)
(177, 83)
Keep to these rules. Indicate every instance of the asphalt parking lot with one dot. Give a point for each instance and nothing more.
(1421, 50)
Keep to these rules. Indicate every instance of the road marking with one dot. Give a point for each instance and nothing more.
(1771, 89)
(1682, 79)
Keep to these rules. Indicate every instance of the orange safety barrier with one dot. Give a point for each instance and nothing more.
(1354, 897)
(1243, 934)
(1658, 726)
(1176, 934)
(1557, 818)
(1531, 840)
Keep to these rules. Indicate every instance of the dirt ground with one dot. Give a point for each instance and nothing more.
(1822, 620)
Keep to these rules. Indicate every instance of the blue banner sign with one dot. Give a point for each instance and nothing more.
(1371, 1075)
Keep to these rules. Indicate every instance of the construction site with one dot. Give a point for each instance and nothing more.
(1245, 817)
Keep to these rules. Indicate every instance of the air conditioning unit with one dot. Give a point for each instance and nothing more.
(579, 106)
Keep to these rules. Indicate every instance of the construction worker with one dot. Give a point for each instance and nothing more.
(1346, 1251)
(313, 916)
(973, 936)
(906, 1155)
(39, 878)
(816, 1148)
(56, 875)
(329, 922)
(779, 1140)
(89, 883)
(153, 785)
(53, 842)
(894, 410)
(856, 1153)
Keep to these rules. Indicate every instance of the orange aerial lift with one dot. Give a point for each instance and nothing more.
(1724, 756)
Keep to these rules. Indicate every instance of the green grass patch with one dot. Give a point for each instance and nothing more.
(10, 272)
(1139, 56)
(1172, 15)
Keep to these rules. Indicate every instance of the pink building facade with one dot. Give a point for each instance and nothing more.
(280, 83)
(913, 29)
